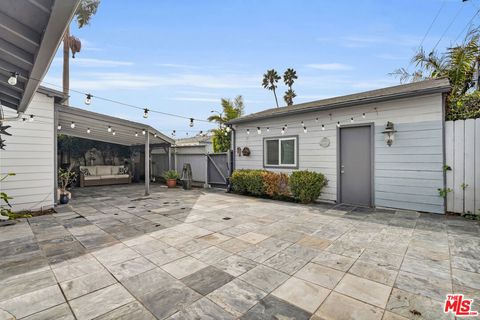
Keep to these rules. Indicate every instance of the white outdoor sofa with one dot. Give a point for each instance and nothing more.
(104, 175)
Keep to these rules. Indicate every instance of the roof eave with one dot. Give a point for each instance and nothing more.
(346, 104)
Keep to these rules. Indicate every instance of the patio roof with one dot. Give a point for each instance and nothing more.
(30, 33)
(98, 124)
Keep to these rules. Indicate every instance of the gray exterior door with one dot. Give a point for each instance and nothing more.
(356, 165)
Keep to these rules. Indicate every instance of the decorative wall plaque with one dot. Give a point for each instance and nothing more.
(325, 142)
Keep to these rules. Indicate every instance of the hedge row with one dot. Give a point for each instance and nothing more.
(304, 186)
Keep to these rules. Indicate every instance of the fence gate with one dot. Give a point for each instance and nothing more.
(218, 168)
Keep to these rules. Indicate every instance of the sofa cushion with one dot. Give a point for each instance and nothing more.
(114, 176)
(104, 170)
(92, 177)
(91, 169)
(115, 169)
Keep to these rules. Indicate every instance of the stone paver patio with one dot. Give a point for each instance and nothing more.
(114, 254)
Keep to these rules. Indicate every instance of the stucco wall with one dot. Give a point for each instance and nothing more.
(29, 153)
(407, 175)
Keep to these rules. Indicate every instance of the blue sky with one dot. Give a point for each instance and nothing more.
(182, 56)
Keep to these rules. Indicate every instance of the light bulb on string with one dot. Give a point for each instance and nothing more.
(283, 131)
(228, 129)
(24, 119)
(136, 134)
(72, 125)
(316, 119)
(363, 115)
(191, 122)
(13, 79)
(351, 120)
(59, 127)
(88, 99)
(31, 118)
(114, 132)
(323, 127)
(144, 131)
(338, 124)
(259, 131)
(268, 129)
(304, 129)
(302, 124)
(145, 113)
(248, 131)
(109, 129)
(88, 130)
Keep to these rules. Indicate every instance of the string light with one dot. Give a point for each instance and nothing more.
(24, 119)
(228, 129)
(59, 127)
(304, 129)
(363, 115)
(248, 131)
(72, 125)
(316, 119)
(259, 131)
(268, 129)
(144, 132)
(145, 113)
(351, 120)
(88, 130)
(338, 124)
(191, 122)
(13, 78)
(303, 125)
(283, 131)
(323, 127)
(88, 99)
(109, 129)
(114, 132)
(173, 133)
(136, 134)
(155, 135)
(31, 118)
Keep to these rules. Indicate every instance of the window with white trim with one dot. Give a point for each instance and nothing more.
(280, 152)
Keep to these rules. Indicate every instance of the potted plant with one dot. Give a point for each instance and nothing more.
(65, 178)
(171, 177)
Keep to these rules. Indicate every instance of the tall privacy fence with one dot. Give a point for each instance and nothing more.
(462, 143)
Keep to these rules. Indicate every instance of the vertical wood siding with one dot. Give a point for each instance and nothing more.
(407, 175)
(30, 155)
(462, 145)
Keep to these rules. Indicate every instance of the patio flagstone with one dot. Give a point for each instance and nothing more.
(302, 294)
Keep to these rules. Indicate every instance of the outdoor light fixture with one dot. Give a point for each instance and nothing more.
(114, 132)
(248, 131)
(59, 127)
(389, 133)
(144, 132)
(304, 129)
(323, 127)
(13, 79)
(72, 125)
(88, 99)
(88, 130)
(259, 131)
(136, 134)
(363, 115)
(191, 122)
(145, 113)
(109, 129)
(31, 118)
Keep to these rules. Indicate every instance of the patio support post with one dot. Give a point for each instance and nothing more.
(170, 158)
(206, 185)
(147, 163)
(55, 157)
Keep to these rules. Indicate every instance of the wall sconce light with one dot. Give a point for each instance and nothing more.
(389, 133)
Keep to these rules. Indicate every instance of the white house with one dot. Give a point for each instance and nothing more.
(366, 161)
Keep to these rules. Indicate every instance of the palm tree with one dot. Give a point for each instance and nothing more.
(270, 79)
(458, 64)
(289, 78)
(230, 110)
(86, 9)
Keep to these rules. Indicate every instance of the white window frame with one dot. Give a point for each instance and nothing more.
(280, 165)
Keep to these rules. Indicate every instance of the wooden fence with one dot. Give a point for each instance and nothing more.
(462, 145)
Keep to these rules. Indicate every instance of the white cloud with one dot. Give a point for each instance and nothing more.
(329, 66)
(94, 63)
(96, 81)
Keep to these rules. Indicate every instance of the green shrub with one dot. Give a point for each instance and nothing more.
(170, 174)
(248, 181)
(306, 186)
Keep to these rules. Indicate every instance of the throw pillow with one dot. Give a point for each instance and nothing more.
(123, 170)
(85, 171)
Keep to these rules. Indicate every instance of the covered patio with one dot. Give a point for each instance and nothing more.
(90, 125)
(202, 254)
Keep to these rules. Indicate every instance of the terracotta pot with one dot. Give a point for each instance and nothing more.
(171, 183)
